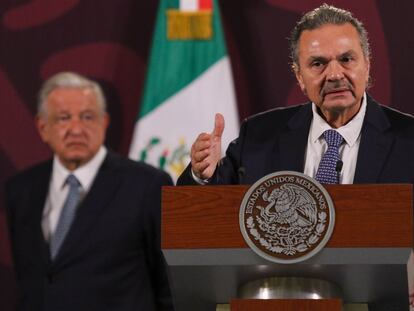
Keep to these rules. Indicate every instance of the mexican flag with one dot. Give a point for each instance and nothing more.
(188, 81)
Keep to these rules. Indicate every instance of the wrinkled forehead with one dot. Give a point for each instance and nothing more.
(329, 39)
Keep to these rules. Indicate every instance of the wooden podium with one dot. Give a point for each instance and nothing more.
(209, 259)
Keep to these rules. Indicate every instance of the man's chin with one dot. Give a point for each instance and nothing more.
(338, 102)
(75, 159)
(345, 95)
(77, 154)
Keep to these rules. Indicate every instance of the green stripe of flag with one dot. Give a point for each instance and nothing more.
(174, 64)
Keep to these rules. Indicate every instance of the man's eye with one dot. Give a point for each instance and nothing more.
(63, 118)
(346, 59)
(88, 117)
(317, 64)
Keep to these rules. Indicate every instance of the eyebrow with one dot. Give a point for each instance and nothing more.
(323, 59)
(87, 111)
(317, 58)
(347, 53)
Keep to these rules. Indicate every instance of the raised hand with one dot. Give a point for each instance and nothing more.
(206, 150)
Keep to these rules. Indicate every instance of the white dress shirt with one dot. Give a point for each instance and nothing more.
(58, 189)
(348, 151)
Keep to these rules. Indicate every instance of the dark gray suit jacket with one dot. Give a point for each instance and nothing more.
(111, 258)
(276, 140)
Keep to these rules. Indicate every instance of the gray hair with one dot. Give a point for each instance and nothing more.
(68, 80)
(323, 15)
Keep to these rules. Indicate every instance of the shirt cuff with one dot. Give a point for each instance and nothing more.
(199, 180)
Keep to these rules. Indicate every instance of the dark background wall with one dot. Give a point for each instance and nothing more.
(110, 40)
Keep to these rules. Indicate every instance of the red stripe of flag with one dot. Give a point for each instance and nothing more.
(205, 4)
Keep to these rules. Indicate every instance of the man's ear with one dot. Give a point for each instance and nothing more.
(41, 125)
(298, 75)
(368, 68)
(106, 120)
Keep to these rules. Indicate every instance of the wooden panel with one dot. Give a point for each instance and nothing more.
(286, 305)
(208, 216)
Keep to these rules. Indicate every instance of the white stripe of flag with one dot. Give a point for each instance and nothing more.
(195, 5)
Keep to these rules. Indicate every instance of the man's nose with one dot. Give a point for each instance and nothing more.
(334, 71)
(75, 125)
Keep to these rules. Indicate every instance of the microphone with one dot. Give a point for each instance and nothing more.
(338, 169)
(241, 172)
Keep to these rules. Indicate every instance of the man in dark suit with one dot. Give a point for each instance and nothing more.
(342, 133)
(331, 60)
(85, 226)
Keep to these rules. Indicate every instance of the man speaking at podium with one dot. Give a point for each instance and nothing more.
(341, 136)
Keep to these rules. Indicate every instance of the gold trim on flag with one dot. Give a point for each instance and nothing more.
(189, 25)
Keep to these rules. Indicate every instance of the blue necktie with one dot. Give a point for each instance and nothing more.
(327, 173)
(66, 216)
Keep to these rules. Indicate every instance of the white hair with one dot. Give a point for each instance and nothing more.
(68, 80)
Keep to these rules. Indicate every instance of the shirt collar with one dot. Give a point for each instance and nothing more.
(350, 131)
(85, 173)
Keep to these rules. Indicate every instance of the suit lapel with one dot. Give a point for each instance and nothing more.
(292, 143)
(38, 199)
(96, 201)
(376, 143)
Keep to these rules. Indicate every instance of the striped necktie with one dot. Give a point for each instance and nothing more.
(66, 216)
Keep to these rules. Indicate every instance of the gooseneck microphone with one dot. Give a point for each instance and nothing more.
(338, 169)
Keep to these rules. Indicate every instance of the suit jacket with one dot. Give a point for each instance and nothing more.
(276, 140)
(111, 257)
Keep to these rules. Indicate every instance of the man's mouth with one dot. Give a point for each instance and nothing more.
(336, 91)
(75, 144)
(336, 88)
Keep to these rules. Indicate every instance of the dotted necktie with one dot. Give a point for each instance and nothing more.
(327, 173)
(66, 216)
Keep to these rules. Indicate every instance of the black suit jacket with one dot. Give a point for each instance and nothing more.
(276, 140)
(111, 257)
